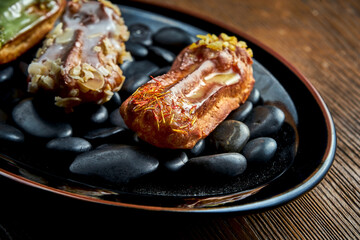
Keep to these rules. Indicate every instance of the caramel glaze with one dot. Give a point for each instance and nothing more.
(92, 33)
(186, 104)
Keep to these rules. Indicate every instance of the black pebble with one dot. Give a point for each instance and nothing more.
(217, 165)
(23, 67)
(115, 163)
(116, 119)
(114, 102)
(229, 136)
(99, 115)
(145, 67)
(91, 114)
(133, 82)
(140, 33)
(161, 56)
(260, 150)
(3, 116)
(28, 119)
(6, 74)
(137, 50)
(197, 149)
(264, 121)
(175, 162)
(126, 65)
(254, 96)
(69, 145)
(241, 112)
(9, 133)
(103, 133)
(173, 38)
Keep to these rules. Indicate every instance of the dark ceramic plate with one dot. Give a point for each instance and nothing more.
(307, 142)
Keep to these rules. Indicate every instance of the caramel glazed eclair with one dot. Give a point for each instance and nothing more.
(79, 58)
(208, 80)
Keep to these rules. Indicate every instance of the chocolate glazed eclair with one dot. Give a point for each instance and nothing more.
(79, 58)
(208, 80)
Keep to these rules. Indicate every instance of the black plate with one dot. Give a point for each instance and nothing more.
(301, 164)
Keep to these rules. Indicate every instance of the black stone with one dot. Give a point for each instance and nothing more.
(91, 114)
(116, 119)
(137, 50)
(134, 82)
(264, 121)
(241, 112)
(6, 74)
(126, 65)
(175, 161)
(217, 165)
(229, 136)
(197, 149)
(161, 56)
(28, 119)
(3, 116)
(99, 115)
(115, 163)
(69, 145)
(10, 96)
(114, 102)
(144, 67)
(140, 33)
(103, 133)
(173, 38)
(23, 67)
(9, 133)
(260, 150)
(254, 96)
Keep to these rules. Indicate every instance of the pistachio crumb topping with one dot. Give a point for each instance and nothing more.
(218, 43)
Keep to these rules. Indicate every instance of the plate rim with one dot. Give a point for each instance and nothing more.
(269, 203)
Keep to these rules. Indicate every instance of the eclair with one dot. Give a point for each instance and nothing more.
(79, 59)
(24, 23)
(208, 80)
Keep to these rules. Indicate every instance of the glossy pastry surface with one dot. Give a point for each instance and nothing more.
(79, 58)
(208, 80)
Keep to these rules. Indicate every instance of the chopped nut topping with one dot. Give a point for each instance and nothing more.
(64, 102)
(79, 58)
(66, 36)
(46, 82)
(219, 43)
(57, 31)
(97, 49)
(103, 71)
(108, 47)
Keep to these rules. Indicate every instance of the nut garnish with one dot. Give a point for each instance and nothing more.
(88, 70)
(219, 43)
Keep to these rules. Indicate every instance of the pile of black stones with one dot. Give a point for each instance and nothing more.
(93, 143)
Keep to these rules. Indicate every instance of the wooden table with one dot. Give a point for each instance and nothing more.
(322, 40)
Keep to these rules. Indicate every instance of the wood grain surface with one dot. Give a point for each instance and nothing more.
(322, 40)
